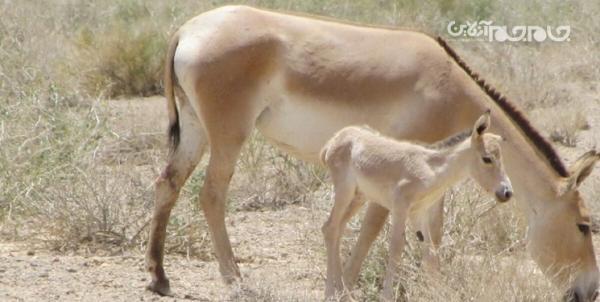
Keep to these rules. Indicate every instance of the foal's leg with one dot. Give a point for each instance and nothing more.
(371, 226)
(396, 247)
(180, 165)
(353, 208)
(429, 229)
(344, 192)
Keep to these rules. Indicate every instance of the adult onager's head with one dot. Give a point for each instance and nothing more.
(566, 237)
(558, 235)
(486, 166)
(402, 177)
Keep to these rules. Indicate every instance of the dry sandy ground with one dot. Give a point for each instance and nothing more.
(294, 262)
(266, 258)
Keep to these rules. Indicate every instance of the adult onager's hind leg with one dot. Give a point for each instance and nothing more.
(180, 165)
(228, 122)
(372, 224)
(213, 201)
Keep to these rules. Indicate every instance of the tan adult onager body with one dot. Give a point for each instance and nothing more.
(402, 177)
(299, 80)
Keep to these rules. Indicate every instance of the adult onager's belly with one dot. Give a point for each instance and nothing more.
(301, 124)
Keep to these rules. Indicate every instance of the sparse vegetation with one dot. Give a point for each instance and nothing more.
(75, 173)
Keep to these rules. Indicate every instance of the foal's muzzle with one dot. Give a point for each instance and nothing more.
(504, 194)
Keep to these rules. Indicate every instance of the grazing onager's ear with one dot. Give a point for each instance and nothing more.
(482, 124)
(582, 168)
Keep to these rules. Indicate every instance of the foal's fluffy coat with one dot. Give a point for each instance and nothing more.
(403, 177)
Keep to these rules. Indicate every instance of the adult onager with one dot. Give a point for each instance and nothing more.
(300, 79)
(402, 177)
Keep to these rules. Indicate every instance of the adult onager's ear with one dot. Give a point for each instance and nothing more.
(482, 124)
(582, 168)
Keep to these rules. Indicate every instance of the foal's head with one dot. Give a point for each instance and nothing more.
(486, 165)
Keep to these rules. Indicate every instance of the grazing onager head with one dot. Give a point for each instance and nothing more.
(487, 168)
(576, 238)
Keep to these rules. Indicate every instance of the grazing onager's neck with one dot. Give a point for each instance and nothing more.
(530, 161)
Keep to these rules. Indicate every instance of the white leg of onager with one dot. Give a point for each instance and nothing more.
(428, 227)
(180, 165)
(396, 242)
(374, 220)
(344, 191)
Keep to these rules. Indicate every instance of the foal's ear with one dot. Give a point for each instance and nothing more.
(582, 168)
(482, 124)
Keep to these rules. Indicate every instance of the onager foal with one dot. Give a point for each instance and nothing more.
(402, 177)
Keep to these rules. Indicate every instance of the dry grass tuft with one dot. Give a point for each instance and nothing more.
(270, 179)
(566, 128)
(122, 60)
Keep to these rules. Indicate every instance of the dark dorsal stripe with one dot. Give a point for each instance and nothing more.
(452, 140)
(542, 145)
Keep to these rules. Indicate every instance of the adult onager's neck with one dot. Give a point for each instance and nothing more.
(531, 162)
(545, 190)
(534, 180)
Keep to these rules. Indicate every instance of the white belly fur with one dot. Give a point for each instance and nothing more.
(300, 126)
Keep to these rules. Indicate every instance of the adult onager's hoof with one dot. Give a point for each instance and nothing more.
(160, 287)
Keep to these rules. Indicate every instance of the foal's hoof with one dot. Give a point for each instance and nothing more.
(160, 287)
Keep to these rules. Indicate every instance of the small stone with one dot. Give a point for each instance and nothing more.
(71, 270)
(30, 253)
(44, 275)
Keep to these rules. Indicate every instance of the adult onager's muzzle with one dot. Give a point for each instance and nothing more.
(573, 295)
(504, 193)
(586, 290)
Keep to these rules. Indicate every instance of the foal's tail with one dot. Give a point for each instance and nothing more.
(323, 154)
(336, 146)
(170, 82)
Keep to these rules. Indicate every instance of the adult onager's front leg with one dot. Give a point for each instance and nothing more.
(428, 227)
(397, 239)
(374, 221)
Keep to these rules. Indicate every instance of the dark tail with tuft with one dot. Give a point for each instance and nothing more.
(170, 82)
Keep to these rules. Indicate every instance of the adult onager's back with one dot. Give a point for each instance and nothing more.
(402, 177)
(301, 79)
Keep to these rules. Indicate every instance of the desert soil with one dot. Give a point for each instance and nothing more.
(266, 259)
